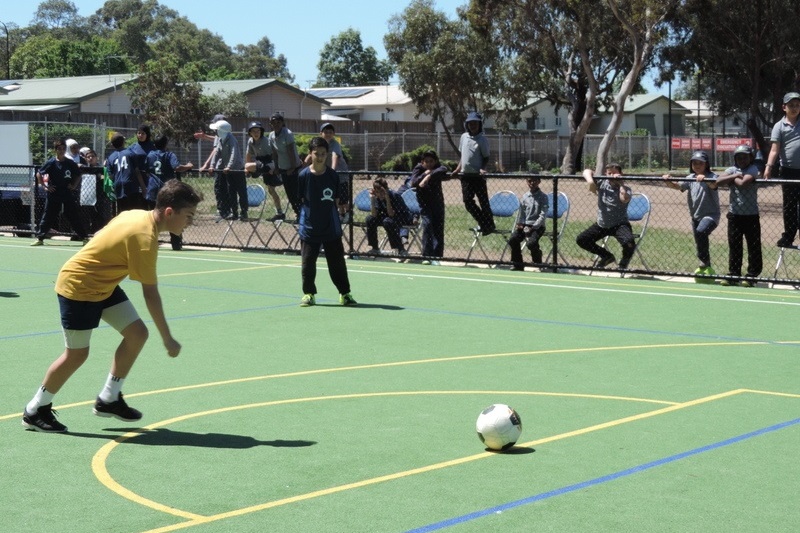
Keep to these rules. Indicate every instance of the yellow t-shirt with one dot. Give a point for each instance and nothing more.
(126, 246)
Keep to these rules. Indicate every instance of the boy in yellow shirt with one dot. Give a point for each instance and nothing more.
(88, 291)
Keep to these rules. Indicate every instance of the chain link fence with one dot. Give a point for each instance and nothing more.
(667, 249)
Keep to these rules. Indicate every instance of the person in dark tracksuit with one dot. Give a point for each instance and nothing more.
(319, 189)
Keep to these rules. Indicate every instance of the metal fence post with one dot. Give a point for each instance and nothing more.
(366, 150)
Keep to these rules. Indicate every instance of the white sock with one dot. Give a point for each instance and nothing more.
(42, 397)
(110, 392)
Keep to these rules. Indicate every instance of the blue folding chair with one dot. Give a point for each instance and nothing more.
(557, 215)
(504, 204)
(256, 202)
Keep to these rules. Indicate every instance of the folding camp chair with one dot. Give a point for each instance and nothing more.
(504, 204)
(782, 262)
(363, 204)
(256, 202)
(410, 199)
(639, 216)
(558, 215)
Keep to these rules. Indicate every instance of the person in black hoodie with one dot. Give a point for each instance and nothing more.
(427, 179)
(474, 150)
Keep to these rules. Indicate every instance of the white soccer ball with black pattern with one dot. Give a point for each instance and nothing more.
(499, 427)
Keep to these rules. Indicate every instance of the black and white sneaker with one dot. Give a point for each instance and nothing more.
(43, 420)
(118, 409)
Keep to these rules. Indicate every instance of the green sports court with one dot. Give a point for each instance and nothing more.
(647, 405)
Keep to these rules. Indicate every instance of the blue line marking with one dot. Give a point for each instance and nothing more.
(603, 479)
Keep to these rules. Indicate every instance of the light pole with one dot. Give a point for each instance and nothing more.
(8, 54)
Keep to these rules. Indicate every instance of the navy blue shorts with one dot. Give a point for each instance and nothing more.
(76, 315)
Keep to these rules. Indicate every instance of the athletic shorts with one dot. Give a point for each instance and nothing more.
(78, 319)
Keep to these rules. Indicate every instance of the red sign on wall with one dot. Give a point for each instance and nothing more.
(691, 143)
(722, 144)
(730, 144)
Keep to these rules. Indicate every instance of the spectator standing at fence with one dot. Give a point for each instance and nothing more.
(88, 291)
(201, 135)
(287, 162)
(743, 217)
(129, 183)
(163, 166)
(613, 197)
(426, 179)
(319, 187)
(230, 185)
(258, 162)
(786, 150)
(703, 200)
(387, 209)
(59, 177)
(474, 150)
(530, 224)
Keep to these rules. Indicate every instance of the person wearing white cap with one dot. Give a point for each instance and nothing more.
(786, 150)
(229, 183)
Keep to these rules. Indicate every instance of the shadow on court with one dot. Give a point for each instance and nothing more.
(365, 306)
(9, 295)
(168, 437)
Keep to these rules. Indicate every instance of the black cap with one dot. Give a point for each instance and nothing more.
(276, 116)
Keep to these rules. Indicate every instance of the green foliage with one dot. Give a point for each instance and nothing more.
(37, 133)
(345, 62)
(638, 132)
(230, 104)
(47, 56)
(406, 161)
(444, 66)
(170, 96)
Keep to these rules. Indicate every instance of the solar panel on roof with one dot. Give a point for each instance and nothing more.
(343, 92)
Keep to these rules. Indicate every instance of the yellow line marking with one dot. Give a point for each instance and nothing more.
(437, 466)
(411, 362)
(100, 458)
(771, 393)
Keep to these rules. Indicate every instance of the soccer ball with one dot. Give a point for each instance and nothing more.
(498, 427)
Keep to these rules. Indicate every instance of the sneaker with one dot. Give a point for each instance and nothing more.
(347, 299)
(727, 283)
(376, 251)
(279, 216)
(517, 268)
(244, 217)
(709, 271)
(784, 243)
(307, 300)
(118, 409)
(86, 240)
(44, 420)
(37, 242)
(747, 283)
(605, 261)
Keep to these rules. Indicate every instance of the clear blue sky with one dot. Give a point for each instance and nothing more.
(298, 30)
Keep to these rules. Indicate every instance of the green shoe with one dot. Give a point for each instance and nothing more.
(727, 283)
(347, 299)
(307, 300)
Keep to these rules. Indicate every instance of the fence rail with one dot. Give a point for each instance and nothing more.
(668, 248)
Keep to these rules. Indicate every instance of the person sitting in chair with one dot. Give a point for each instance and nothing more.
(388, 210)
